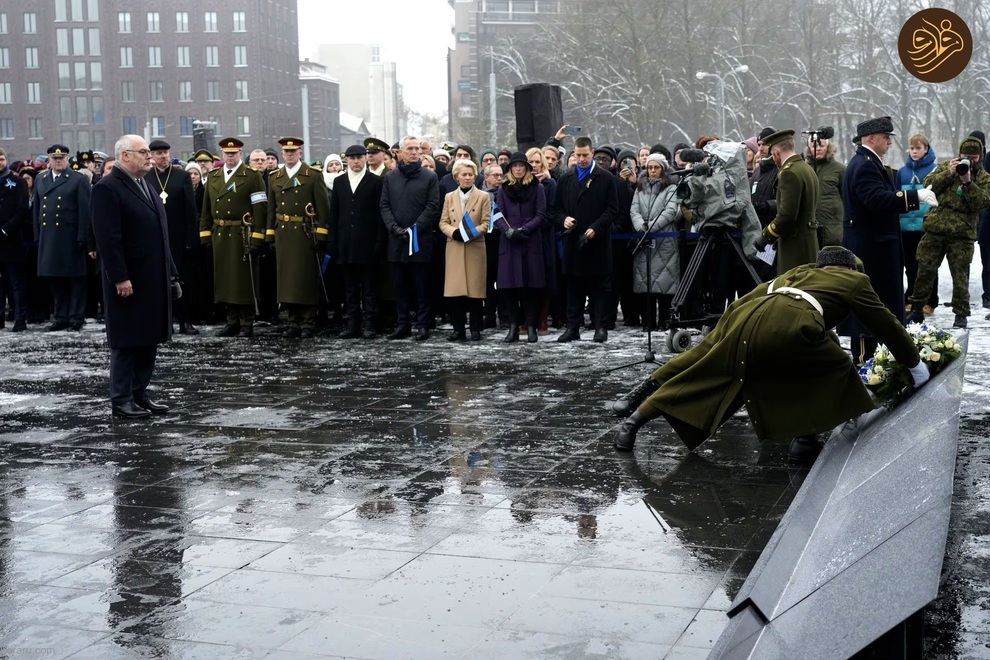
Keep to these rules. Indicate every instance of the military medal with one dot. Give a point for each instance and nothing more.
(164, 196)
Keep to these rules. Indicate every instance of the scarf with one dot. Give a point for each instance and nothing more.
(583, 173)
(354, 177)
(291, 171)
(410, 169)
(521, 193)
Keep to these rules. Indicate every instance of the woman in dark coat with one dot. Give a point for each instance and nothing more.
(521, 269)
(547, 232)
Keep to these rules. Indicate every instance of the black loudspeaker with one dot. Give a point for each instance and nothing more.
(539, 114)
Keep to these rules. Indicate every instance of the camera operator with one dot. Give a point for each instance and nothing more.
(962, 188)
(794, 229)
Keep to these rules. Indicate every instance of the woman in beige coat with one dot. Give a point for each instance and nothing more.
(466, 269)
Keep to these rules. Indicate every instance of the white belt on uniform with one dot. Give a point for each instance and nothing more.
(797, 293)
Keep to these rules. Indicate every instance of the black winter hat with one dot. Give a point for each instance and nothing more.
(981, 136)
(769, 130)
(519, 157)
(836, 255)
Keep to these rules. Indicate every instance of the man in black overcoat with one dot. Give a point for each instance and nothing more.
(15, 225)
(174, 186)
(587, 205)
(131, 229)
(357, 241)
(871, 228)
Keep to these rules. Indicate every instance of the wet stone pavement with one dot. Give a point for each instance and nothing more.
(322, 498)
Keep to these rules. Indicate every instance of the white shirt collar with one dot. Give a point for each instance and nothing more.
(226, 177)
(291, 171)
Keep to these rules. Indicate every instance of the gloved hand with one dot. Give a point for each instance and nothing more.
(509, 233)
(456, 236)
(582, 240)
(702, 169)
(761, 243)
(256, 250)
(920, 373)
(399, 232)
(926, 196)
(176, 288)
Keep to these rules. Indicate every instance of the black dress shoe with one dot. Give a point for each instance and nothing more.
(187, 329)
(626, 436)
(306, 333)
(246, 331)
(76, 327)
(421, 334)
(229, 331)
(457, 335)
(532, 335)
(601, 334)
(400, 333)
(151, 406)
(350, 333)
(475, 336)
(513, 335)
(570, 334)
(804, 448)
(292, 333)
(19, 326)
(56, 326)
(129, 410)
(630, 401)
(369, 334)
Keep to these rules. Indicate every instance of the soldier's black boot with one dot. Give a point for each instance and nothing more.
(916, 316)
(959, 322)
(229, 330)
(631, 400)
(513, 335)
(804, 448)
(625, 438)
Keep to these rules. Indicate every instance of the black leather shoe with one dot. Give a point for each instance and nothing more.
(804, 448)
(229, 331)
(631, 400)
(625, 438)
(151, 406)
(369, 334)
(532, 336)
(246, 331)
(292, 333)
(76, 327)
(19, 326)
(187, 329)
(350, 333)
(475, 336)
(601, 335)
(400, 333)
(56, 326)
(457, 335)
(513, 335)
(421, 334)
(571, 334)
(129, 410)
(306, 333)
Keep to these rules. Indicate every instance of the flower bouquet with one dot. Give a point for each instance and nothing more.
(888, 380)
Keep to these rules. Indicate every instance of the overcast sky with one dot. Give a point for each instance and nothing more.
(415, 34)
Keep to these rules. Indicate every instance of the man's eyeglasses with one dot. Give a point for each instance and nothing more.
(143, 152)
(497, 175)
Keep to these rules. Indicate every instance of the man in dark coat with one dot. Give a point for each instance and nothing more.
(871, 227)
(15, 225)
(763, 192)
(173, 185)
(410, 207)
(794, 229)
(357, 241)
(587, 205)
(131, 229)
(62, 229)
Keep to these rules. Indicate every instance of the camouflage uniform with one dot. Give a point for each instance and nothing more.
(950, 229)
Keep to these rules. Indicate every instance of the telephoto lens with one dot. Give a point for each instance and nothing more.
(962, 169)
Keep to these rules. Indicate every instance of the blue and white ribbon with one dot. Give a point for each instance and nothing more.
(413, 240)
(467, 228)
(258, 197)
(496, 216)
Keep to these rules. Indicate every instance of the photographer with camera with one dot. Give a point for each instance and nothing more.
(962, 188)
(794, 229)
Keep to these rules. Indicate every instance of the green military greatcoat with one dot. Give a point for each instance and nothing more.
(222, 223)
(795, 227)
(775, 354)
(298, 217)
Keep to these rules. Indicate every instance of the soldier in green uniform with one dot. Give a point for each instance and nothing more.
(235, 209)
(298, 215)
(377, 149)
(773, 352)
(795, 230)
(950, 228)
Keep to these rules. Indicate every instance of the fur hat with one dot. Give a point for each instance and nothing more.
(873, 126)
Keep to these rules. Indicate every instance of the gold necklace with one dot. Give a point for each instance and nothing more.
(163, 194)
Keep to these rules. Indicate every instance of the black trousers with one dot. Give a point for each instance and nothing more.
(411, 283)
(361, 295)
(13, 281)
(580, 288)
(461, 308)
(70, 298)
(525, 305)
(130, 372)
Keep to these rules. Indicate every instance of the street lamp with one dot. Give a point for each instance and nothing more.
(701, 75)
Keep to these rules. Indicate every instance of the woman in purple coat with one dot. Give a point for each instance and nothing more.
(521, 275)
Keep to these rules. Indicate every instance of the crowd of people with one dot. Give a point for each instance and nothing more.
(399, 239)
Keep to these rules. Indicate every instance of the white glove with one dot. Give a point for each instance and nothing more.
(926, 196)
(920, 373)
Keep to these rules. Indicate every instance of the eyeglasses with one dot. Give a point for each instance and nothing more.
(653, 167)
(143, 152)
(497, 175)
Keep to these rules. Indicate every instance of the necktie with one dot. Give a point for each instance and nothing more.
(229, 172)
(144, 188)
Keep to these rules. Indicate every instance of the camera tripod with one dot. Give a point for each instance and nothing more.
(679, 339)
